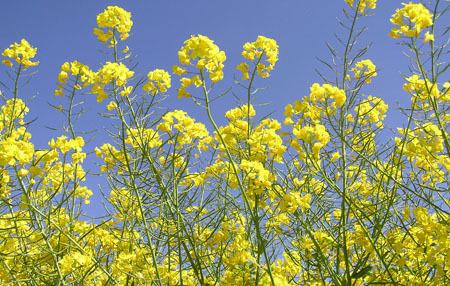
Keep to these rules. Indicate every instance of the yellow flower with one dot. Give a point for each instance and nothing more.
(65, 145)
(244, 69)
(206, 54)
(14, 151)
(158, 81)
(22, 53)
(372, 110)
(111, 105)
(203, 54)
(7, 63)
(85, 76)
(319, 93)
(240, 112)
(365, 69)
(315, 135)
(335, 156)
(143, 137)
(185, 127)
(263, 52)
(428, 37)
(111, 73)
(178, 70)
(423, 90)
(419, 18)
(13, 109)
(362, 4)
(113, 19)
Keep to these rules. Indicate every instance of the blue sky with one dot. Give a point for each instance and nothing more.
(62, 31)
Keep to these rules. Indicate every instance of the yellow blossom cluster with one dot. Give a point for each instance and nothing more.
(423, 245)
(365, 70)
(263, 52)
(112, 20)
(424, 90)
(158, 81)
(184, 130)
(203, 54)
(316, 105)
(316, 136)
(425, 149)
(112, 157)
(64, 144)
(242, 112)
(372, 110)
(84, 76)
(125, 204)
(116, 74)
(259, 178)
(13, 110)
(263, 141)
(143, 138)
(22, 53)
(411, 20)
(362, 5)
(16, 149)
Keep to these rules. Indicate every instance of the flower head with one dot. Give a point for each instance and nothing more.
(113, 18)
(22, 53)
(158, 81)
(263, 52)
(366, 70)
(362, 5)
(410, 19)
(202, 53)
(112, 73)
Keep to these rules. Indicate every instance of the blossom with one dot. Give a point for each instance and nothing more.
(362, 5)
(365, 69)
(113, 19)
(263, 52)
(158, 81)
(244, 69)
(22, 53)
(117, 74)
(428, 37)
(418, 16)
(315, 135)
(372, 110)
(203, 54)
(83, 74)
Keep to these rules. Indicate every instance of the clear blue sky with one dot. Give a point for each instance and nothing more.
(62, 31)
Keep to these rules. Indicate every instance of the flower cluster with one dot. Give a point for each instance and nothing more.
(22, 53)
(362, 5)
(113, 19)
(16, 149)
(13, 110)
(158, 81)
(425, 149)
(203, 54)
(263, 52)
(322, 100)
(423, 90)
(84, 76)
(417, 17)
(366, 70)
(372, 110)
(116, 74)
(315, 136)
(184, 129)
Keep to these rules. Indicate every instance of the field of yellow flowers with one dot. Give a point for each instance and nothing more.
(318, 199)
